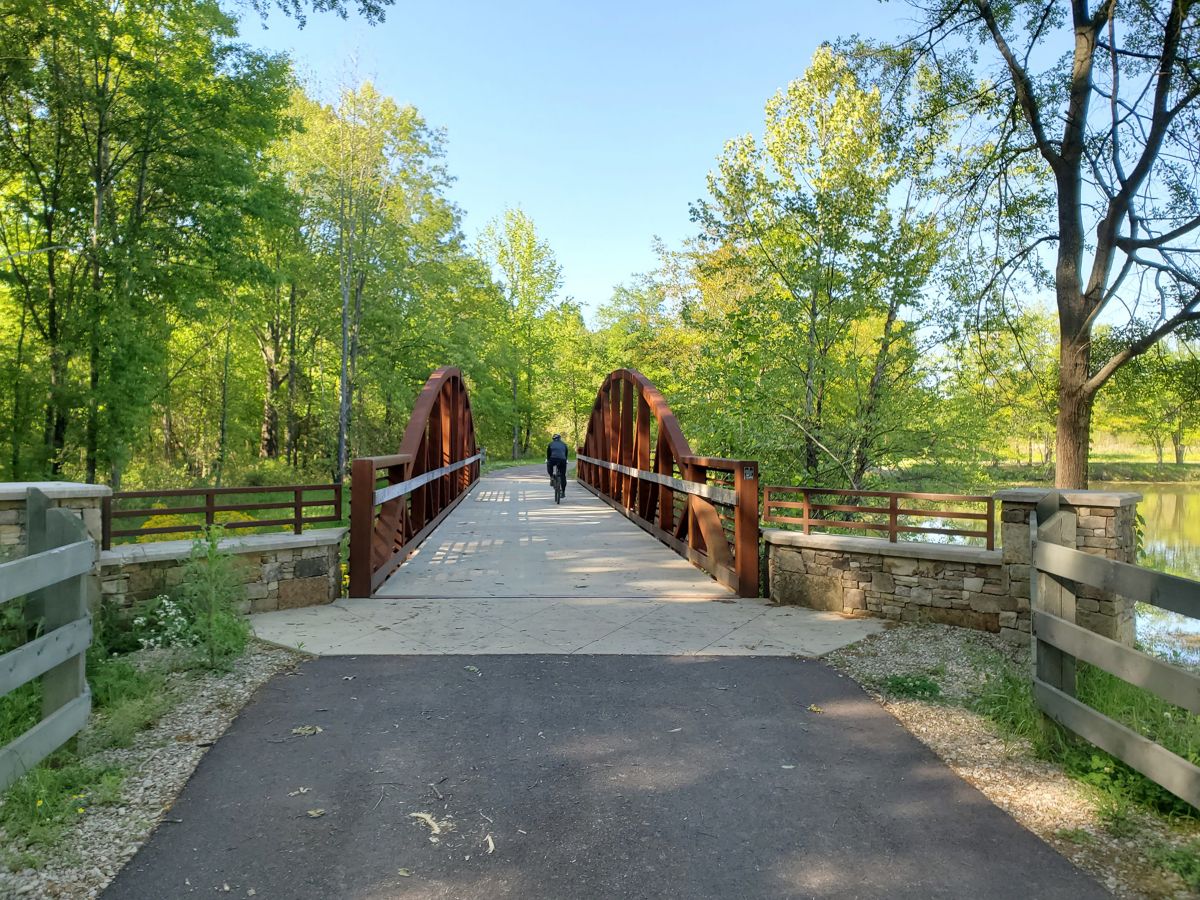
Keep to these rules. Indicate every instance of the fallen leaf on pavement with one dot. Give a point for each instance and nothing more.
(307, 729)
(813, 708)
(302, 790)
(404, 873)
(316, 813)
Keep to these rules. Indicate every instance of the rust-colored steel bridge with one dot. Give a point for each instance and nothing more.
(634, 457)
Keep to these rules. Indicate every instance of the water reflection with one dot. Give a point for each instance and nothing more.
(1170, 543)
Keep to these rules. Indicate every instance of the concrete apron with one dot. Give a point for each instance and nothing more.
(511, 572)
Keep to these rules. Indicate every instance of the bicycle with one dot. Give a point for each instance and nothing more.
(559, 480)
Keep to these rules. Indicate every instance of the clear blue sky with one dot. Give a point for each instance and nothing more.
(599, 119)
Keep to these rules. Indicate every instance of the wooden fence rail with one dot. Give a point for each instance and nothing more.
(302, 499)
(53, 578)
(1057, 568)
(815, 511)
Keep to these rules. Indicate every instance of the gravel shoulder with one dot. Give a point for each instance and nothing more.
(157, 766)
(1037, 793)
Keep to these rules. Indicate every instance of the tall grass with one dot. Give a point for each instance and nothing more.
(1007, 699)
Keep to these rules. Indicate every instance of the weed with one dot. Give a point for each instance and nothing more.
(212, 588)
(920, 687)
(1183, 860)
(43, 804)
(1075, 835)
(164, 622)
(1116, 814)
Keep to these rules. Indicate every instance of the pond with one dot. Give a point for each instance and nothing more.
(1170, 543)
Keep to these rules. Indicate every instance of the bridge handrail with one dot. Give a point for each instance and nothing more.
(893, 510)
(437, 465)
(724, 496)
(631, 455)
(301, 500)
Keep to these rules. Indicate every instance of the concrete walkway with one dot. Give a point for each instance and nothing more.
(582, 778)
(508, 571)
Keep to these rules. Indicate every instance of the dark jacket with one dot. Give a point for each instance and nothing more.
(556, 450)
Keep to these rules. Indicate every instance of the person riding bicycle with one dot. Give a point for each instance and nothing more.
(556, 460)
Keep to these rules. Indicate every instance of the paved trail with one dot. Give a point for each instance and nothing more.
(595, 777)
(508, 571)
(636, 740)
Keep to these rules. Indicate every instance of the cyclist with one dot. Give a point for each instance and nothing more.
(556, 460)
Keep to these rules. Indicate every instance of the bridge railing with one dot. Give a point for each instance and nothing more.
(210, 506)
(397, 500)
(1058, 569)
(892, 512)
(636, 458)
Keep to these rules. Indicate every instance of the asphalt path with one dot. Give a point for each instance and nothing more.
(581, 777)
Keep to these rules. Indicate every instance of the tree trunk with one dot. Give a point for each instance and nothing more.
(18, 398)
(1178, 445)
(1074, 411)
(292, 427)
(516, 421)
(224, 432)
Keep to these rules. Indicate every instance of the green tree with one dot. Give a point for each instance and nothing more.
(819, 244)
(1157, 396)
(1082, 137)
(530, 278)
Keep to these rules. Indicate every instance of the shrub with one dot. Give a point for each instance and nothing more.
(212, 589)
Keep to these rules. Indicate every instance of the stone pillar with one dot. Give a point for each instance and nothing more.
(1105, 526)
(84, 499)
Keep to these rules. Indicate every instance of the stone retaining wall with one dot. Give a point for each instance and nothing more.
(280, 571)
(905, 582)
(974, 588)
(84, 499)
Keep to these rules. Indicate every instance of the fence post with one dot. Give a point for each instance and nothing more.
(106, 523)
(1048, 593)
(745, 527)
(210, 516)
(65, 603)
(298, 509)
(893, 518)
(37, 539)
(362, 526)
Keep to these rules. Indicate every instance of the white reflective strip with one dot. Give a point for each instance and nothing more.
(720, 495)
(395, 490)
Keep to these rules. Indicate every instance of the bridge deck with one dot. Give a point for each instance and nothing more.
(508, 571)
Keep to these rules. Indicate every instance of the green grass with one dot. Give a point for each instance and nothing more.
(1075, 835)
(920, 687)
(1183, 860)
(40, 807)
(1007, 699)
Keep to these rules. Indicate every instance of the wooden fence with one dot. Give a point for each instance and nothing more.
(1057, 568)
(53, 577)
(811, 508)
(302, 498)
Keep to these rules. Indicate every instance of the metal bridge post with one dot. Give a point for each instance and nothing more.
(362, 525)
(745, 527)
